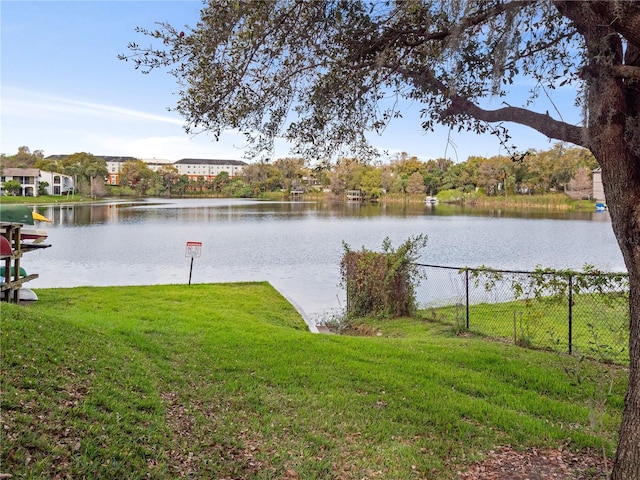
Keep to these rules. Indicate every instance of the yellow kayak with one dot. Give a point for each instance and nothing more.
(42, 218)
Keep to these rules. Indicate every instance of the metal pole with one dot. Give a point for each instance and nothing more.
(190, 270)
(466, 275)
(570, 313)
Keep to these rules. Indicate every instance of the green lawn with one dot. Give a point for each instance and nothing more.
(599, 329)
(224, 381)
(45, 199)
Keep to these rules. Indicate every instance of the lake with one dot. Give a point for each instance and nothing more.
(297, 246)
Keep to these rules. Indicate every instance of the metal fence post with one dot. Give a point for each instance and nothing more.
(466, 290)
(570, 314)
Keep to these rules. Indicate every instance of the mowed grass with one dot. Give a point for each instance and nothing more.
(599, 328)
(224, 381)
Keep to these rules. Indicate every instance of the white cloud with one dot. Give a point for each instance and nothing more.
(60, 125)
(177, 147)
(26, 104)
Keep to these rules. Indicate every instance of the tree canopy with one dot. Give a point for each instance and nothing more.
(25, 158)
(324, 72)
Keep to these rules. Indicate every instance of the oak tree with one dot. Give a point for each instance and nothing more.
(322, 73)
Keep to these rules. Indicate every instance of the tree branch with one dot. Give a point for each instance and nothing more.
(399, 35)
(543, 123)
(623, 17)
(626, 71)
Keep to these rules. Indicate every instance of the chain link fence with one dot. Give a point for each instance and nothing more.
(581, 313)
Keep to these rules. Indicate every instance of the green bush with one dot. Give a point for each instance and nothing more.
(381, 283)
(450, 196)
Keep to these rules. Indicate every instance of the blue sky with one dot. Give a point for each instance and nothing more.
(63, 90)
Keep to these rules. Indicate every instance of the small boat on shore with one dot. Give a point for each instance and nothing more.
(5, 246)
(20, 214)
(16, 214)
(39, 217)
(3, 270)
(431, 201)
(26, 295)
(33, 235)
(601, 207)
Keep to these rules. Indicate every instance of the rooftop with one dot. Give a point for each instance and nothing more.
(208, 161)
(184, 161)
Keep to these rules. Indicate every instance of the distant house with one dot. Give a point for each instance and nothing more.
(30, 180)
(114, 167)
(208, 168)
(192, 167)
(598, 189)
(156, 165)
(354, 195)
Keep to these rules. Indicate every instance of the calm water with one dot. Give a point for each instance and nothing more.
(297, 246)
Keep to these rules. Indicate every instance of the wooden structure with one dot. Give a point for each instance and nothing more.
(10, 286)
(354, 196)
(296, 194)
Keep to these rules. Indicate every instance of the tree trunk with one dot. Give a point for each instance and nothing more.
(621, 180)
(626, 225)
(627, 462)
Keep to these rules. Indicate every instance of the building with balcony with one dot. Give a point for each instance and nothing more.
(192, 167)
(208, 168)
(30, 180)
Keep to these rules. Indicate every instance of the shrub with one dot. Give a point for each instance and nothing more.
(381, 283)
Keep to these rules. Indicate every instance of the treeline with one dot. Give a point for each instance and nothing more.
(559, 169)
(87, 171)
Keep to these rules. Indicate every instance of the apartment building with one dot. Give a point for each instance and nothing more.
(30, 180)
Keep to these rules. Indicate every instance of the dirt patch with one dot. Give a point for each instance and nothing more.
(505, 463)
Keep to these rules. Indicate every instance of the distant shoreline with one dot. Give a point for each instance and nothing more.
(553, 201)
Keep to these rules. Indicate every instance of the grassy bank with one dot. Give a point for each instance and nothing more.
(224, 381)
(46, 199)
(599, 329)
(549, 201)
(552, 201)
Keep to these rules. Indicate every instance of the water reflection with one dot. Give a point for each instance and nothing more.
(232, 209)
(297, 246)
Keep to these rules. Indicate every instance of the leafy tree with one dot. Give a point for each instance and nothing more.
(48, 165)
(42, 188)
(237, 188)
(220, 181)
(491, 173)
(25, 158)
(133, 172)
(345, 176)
(581, 184)
(387, 178)
(321, 173)
(415, 184)
(371, 182)
(169, 177)
(261, 177)
(12, 187)
(320, 73)
(199, 183)
(453, 178)
(431, 181)
(406, 166)
(87, 170)
(181, 184)
(291, 171)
